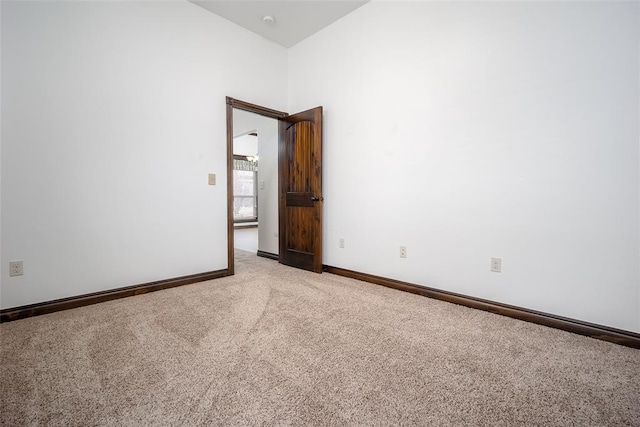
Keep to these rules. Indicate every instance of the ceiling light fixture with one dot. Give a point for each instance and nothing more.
(268, 19)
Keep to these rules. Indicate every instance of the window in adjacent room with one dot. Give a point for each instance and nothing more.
(245, 186)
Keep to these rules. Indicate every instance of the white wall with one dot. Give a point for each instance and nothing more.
(462, 130)
(245, 145)
(267, 130)
(268, 186)
(113, 114)
(471, 130)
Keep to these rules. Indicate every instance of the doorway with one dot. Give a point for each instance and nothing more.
(255, 183)
(296, 177)
(244, 122)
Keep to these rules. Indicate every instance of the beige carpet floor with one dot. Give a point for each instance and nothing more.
(278, 346)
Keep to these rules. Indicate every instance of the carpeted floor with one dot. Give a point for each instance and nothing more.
(278, 346)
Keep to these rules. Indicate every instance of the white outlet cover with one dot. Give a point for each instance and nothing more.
(16, 268)
(496, 264)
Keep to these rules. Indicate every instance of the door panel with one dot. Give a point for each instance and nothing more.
(300, 195)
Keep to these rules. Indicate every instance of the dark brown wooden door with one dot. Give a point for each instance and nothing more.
(300, 191)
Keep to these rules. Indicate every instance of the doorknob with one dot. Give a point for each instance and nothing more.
(315, 199)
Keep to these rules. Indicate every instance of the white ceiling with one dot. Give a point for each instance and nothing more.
(294, 20)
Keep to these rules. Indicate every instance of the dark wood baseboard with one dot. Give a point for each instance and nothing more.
(268, 255)
(38, 309)
(605, 333)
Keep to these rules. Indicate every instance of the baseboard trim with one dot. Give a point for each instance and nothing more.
(268, 255)
(38, 309)
(605, 333)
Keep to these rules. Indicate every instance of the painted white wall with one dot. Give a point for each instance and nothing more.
(461, 130)
(245, 145)
(471, 130)
(268, 186)
(113, 114)
(267, 130)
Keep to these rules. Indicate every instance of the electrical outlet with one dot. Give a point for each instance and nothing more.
(15, 268)
(403, 251)
(496, 264)
(341, 243)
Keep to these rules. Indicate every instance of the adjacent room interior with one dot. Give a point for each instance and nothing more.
(255, 174)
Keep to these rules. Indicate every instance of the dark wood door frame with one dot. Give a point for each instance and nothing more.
(252, 108)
